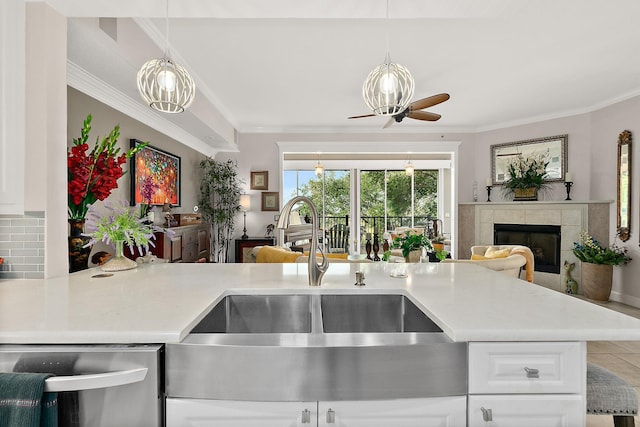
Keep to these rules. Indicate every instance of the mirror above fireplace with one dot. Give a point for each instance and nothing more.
(623, 201)
(555, 146)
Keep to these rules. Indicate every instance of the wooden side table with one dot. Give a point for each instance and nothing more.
(244, 245)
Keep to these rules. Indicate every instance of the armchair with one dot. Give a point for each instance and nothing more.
(517, 256)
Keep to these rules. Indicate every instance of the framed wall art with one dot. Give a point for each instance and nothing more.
(260, 180)
(162, 168)
(555, 146)
(270, 201)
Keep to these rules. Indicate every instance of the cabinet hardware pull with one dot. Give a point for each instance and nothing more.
(331, 416)
(486, 414)
(532, 372)
(306, 417)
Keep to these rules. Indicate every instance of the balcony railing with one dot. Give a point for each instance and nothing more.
(376, 224)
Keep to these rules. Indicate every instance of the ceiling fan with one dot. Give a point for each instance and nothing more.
(413, 110)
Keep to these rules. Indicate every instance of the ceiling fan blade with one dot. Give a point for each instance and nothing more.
(389, 122)
(359, 117)
(428, 102)
(424, 115)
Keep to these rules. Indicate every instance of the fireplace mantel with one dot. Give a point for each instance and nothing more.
(476, 220)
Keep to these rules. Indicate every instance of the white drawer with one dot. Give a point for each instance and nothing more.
(521, 410)
(511, 367)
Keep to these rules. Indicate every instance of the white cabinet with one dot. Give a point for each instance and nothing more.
(529, 367)
(431, 412)
(527, 410)
(227, 413)
(539, 384)
(12, 106)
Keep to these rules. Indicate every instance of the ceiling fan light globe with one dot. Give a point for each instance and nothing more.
(388, 89)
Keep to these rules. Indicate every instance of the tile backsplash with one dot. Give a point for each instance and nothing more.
(22, 246)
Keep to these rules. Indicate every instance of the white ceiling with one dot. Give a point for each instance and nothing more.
(299, 65)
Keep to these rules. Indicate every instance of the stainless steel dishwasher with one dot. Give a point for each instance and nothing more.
(98, 385)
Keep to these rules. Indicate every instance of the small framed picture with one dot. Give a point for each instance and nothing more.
(260, 180)
(270, 201)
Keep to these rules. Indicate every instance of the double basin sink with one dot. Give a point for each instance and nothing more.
(303, 346)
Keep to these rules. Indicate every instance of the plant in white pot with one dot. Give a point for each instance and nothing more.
(597, 265)
(412, 245)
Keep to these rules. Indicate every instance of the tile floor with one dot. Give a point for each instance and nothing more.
(620, 357)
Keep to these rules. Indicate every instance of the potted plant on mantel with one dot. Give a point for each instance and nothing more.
(526, 175)
(597, 265)
(412, 245)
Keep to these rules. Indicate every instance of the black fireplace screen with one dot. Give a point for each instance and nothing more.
(543, 240)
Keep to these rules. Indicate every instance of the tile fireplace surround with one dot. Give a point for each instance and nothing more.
(476, 220)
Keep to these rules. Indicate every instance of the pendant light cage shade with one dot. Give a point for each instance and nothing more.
(319, 169)
(166, 86)
(388, 89)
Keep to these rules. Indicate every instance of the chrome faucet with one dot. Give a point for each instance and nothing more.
(316, 271)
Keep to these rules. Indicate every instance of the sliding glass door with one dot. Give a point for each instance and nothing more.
(356, 206)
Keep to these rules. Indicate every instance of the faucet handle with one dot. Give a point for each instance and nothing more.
(359, 279)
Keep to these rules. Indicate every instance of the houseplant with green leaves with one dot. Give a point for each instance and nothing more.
(597, 262)
(219, 202)
(526, 175)
(412, 245)
(120, 225)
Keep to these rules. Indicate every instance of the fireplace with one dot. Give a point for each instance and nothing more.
(543, 240)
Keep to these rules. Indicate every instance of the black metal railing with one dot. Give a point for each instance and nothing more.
(376, 224)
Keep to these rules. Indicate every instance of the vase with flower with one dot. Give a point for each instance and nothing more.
(121, 225)
(91, 176)
(526, 175)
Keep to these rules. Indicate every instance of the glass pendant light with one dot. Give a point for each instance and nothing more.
(164, 85)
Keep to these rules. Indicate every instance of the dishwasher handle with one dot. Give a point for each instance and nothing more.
(91, 381)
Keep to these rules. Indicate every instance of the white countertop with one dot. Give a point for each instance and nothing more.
(160, 303)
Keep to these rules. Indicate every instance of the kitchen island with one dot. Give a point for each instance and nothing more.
(161, 303)
(526, 343)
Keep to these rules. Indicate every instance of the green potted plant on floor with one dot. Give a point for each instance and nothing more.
(219, 202)
(597, 265)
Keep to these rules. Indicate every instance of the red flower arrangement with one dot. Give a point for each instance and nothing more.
(92, 176)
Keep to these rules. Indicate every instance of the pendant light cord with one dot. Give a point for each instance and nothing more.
(387, 25)
(166, 29)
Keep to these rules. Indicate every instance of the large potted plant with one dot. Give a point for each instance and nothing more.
(526, 175)
(219, 202)
(412, 245)
(597, 265)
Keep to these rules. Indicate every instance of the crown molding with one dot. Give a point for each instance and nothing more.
(80, 79)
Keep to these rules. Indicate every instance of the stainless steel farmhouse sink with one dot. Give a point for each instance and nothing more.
(254, 314)
(373, 313)
(316, 346)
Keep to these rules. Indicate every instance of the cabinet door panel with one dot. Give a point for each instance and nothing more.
(527, 410)
(222, 413)
(431, 412)
(554, 367)
(176, 248)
